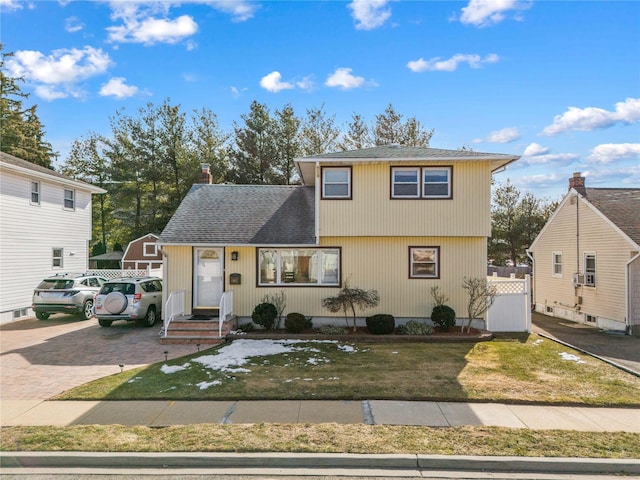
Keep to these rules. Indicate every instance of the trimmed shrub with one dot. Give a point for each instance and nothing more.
(294, 322)
(247, 327)
(332, 330)
(414, 327)
(381, 324)
(443, 316)
(265, 314)
(308, 322)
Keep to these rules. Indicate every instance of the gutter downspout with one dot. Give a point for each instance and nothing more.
(533, 275)
(318, 183)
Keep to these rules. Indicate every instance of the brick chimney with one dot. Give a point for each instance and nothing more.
(205, 175)
(577, 183)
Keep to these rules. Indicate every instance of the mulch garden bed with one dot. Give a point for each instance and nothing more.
(363, 335)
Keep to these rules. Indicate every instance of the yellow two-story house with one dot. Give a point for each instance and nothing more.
(392, 218)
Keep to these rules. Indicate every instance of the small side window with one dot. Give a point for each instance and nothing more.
(69, 199)
(35, 193)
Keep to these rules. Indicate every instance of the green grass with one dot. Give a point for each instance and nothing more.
(522, 369)
(323, 438)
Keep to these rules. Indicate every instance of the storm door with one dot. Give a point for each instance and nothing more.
(208, 282)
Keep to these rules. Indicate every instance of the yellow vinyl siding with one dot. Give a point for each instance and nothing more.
(372, 263)
(371, 211)
(596, 235)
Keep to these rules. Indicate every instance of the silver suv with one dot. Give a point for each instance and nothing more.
(66, 293)
(136, 299)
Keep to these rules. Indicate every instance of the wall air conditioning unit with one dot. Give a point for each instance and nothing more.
(578, 279)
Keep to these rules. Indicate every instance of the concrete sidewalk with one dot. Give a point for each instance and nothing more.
(371, 412)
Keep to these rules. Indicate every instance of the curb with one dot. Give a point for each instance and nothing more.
(282, 461)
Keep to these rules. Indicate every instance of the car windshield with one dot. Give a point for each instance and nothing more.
(125, 288)
(56, 284)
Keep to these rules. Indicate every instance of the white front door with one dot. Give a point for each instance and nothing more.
(208, 270)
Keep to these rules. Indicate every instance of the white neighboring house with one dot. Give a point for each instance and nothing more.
(45, 228)
(587, 258)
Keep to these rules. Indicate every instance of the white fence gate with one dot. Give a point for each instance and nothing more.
(511, 309)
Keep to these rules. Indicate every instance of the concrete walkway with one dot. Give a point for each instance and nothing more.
(372, 412)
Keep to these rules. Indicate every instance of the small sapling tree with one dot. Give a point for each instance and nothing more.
(349, 299)
(481, 296)
(278, 300)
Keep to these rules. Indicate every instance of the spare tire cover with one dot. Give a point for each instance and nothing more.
(115, 302)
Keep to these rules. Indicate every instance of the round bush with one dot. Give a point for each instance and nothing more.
(294, 323)
(443, 316)
(413, 327)
(265, 314)
(381, 324)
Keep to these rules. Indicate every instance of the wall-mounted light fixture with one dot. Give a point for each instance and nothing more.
(234, 256)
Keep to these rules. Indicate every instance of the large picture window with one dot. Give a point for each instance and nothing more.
(299, 266)
(424, 262)
(421, 182)
(336, 183)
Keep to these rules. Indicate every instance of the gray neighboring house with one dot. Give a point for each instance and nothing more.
(587, 258)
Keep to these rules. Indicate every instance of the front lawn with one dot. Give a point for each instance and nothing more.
(524, 369)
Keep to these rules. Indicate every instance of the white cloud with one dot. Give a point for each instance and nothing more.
(63, 68)
(117, 88)
(9, 5)
(610, 152)
(72, 25)
(450, 65)
(535, 149)
(592, 118)
(153, 30)
(238, 9)
(343, 78)
(273, 83)
(506, 135)
(542, 180)
(482, 13)
(369, 14)
(306, 83)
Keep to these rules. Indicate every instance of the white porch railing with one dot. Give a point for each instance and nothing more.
(173, 306)
(226, 309)
(110, 274)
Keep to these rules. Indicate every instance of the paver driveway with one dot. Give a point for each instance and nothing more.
(42, 358)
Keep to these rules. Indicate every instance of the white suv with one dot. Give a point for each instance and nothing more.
(136, 299)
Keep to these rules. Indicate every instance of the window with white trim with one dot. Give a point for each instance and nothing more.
(35, 193)
(57, 255)
(336, 183)
(299, 266)
(590, 269)
(424, 262)
(417, 182)
(556, 260)
(69, 199)
(149, 249)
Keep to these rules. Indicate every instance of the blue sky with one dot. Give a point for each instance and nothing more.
(555, 82)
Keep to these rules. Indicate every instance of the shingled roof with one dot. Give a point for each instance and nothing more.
(621, 206)
(387, 152)
(243, 215)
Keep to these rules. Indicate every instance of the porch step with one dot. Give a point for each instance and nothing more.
(205, 331)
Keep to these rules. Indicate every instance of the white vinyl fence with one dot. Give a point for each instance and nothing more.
(511, 309)
(110, 274)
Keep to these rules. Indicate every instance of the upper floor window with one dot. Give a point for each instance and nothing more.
(57, 257)
(299, 266)
(149, 249)
(424, 262)
(425, 182)
(556, 258)
(69, 199)
(590, 269)
(336, 183)
(35, 193)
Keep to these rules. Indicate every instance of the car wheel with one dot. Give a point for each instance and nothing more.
(150, 318)
(42, 315)
(104, 323)
(87, 310)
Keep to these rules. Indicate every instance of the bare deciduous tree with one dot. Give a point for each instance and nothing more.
(278, 300)
(481, 296)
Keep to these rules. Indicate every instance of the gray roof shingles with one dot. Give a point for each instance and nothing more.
(621, 206)
(405, 152)
(243, 215)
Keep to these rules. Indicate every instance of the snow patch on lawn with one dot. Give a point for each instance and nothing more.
(570, 357)
(174, 368)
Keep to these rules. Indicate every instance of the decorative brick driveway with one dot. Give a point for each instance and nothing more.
(42, 358)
